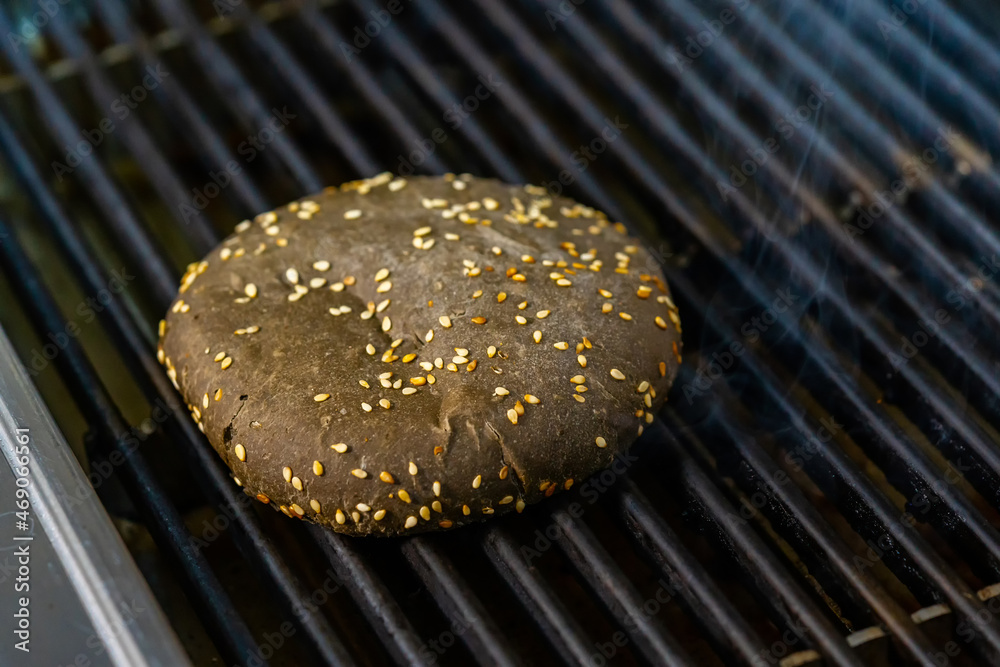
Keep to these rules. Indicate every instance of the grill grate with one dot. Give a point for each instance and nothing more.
(815, 494)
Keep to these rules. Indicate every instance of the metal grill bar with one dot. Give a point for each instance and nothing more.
(717, 617)
(206, 140)
(137, 345)
(541, 601)
(158, 513)
(234, 89)
(454, 597)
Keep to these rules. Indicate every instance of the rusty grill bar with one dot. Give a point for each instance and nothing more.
(813, 492)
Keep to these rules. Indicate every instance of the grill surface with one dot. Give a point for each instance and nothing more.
(816, 177)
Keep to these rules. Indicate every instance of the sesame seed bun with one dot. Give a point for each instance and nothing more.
(395, 356)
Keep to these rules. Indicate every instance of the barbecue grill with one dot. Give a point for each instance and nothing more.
(814, 176)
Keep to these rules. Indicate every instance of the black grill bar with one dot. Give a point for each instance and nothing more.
(234, 89)
(291, 70)
(462, 608)
(137, 347)
(906, 233)
(330, 39)
(119, 213)
(409, 57)
(159, 514)
(885, 149)
(190, 118)
(134, 135)
(372, 596)
(616, 591)
(540, 600)
(969, 102)
(775, 588)
(942, 404)
(522, 108)
(717, 618)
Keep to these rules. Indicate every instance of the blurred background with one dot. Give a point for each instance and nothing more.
(817, 180)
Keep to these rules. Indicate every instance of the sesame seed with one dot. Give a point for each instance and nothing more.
(204, 402)
(520, 319)
(466, 510)
(580, 388)
(404, 495)
(341, 519)
(537, 335)
(298, 509)
(407, 358)
(649, 417)
(436, 487)
(218, 395)
(512, 416)
(445, 321)
(648, 400)
(518, 277)
(561, 345)
(366, 407)
(384, 402)
(625, 316)
(340, 447)
(411, 521)
(430, 379)
(286, 472)
(506, 499)
(660, 323)
(663, 369)
(617, 374)
(607, 308)
(532, 399)
(241, 452)
(582, 360)
(579, 398)
(316, 507)
(292, 275)
(605, 293)
(319, 398)
(643, 386)
(601, 442)
(643, 292)
(562, 282)
(479, 320)
(359, 473)
(386, 477)
(379, 515)
(500, 391)
(353, 214)
(250, 290)
(297, 483)
(423, 231)
(226, 363)
(477, 481)
(542, 314)
(409, 391)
